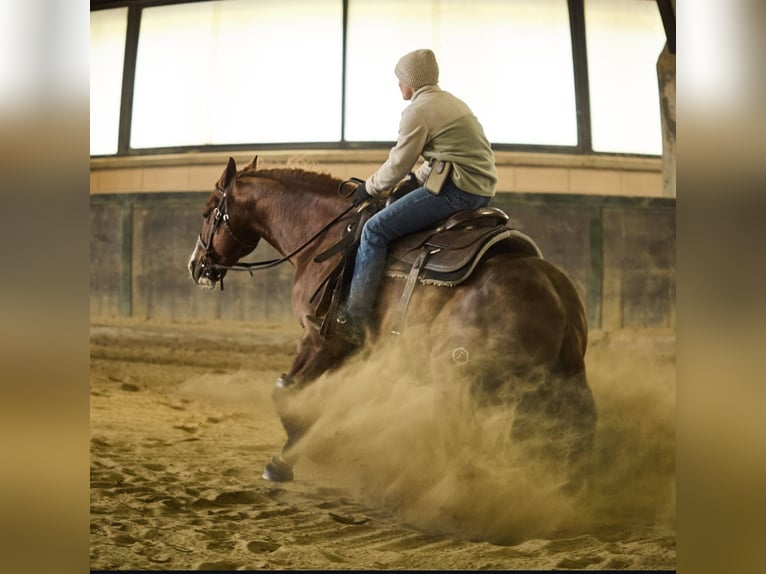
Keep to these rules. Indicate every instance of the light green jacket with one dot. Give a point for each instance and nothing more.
(438, 126)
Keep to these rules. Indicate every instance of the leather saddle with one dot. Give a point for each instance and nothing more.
(451, 251)
(448, 254)
(445, 255)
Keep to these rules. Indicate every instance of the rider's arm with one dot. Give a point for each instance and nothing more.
(413, 135)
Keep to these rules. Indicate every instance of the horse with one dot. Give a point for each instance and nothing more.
(516, 327)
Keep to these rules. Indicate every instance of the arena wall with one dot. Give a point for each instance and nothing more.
(604, 221)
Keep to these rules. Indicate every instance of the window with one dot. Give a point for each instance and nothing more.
(511, 62)
(238, 72)
(265, 72)
(624, 40)
(107, 55)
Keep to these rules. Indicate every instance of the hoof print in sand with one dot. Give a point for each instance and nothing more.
(262, 546)
(345, 519)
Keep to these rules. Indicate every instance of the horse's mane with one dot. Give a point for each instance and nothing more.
(293, 178)
(297, 178)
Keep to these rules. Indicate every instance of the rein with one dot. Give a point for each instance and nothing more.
(257, 265)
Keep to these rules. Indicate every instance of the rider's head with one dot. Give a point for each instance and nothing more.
(417, 69)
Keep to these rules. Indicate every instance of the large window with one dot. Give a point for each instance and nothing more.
(107, 55)
(510, 61)
(320, 73)
(624, 40)
(238, 72)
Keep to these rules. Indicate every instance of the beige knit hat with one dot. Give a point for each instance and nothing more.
(418, 69)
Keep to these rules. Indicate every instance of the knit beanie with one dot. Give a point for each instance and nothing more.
(418, 69)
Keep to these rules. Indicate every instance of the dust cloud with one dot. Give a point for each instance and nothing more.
(427, 453)
(397, 473)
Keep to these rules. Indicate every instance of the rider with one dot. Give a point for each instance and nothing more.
(441, 128)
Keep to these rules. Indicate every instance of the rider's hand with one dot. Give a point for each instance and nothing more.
(405, 186)
(360, 194)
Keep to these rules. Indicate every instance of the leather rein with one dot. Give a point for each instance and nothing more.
(212, 270)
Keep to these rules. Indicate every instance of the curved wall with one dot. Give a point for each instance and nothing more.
(603, 220)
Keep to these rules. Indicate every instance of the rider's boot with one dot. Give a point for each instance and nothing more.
(349, 329)
(346, 329)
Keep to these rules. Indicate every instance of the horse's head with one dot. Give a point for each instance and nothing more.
(224, 237)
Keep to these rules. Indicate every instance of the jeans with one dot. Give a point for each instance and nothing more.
(416, 211)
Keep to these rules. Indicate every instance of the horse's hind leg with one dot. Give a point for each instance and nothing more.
(553, 413)
(555, 423)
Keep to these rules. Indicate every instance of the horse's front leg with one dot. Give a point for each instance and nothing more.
(313, 357)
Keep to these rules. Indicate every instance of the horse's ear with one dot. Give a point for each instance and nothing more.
(228, 174)
(252, 165)
(231, 170)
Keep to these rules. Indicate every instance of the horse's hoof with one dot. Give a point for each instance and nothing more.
(284, 381)
(278, 470)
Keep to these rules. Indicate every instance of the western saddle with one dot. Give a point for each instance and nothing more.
(445, 255)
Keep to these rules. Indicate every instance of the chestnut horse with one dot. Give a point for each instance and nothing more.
(516, 326)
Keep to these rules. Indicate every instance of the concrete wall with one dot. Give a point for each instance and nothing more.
(619, 251)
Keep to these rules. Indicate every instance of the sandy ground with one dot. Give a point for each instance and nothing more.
(182, 424)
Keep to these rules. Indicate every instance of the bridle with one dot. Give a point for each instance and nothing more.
(215, 272)
(210, 269)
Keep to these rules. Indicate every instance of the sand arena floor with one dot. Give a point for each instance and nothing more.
(182, 424)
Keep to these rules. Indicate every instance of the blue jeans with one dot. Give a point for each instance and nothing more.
(416, 211)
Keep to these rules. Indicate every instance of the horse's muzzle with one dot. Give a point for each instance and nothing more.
(201, 274)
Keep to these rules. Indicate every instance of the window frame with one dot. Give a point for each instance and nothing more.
(581, 88)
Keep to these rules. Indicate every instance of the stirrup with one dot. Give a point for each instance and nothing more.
(348, 330)
(341, 318)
